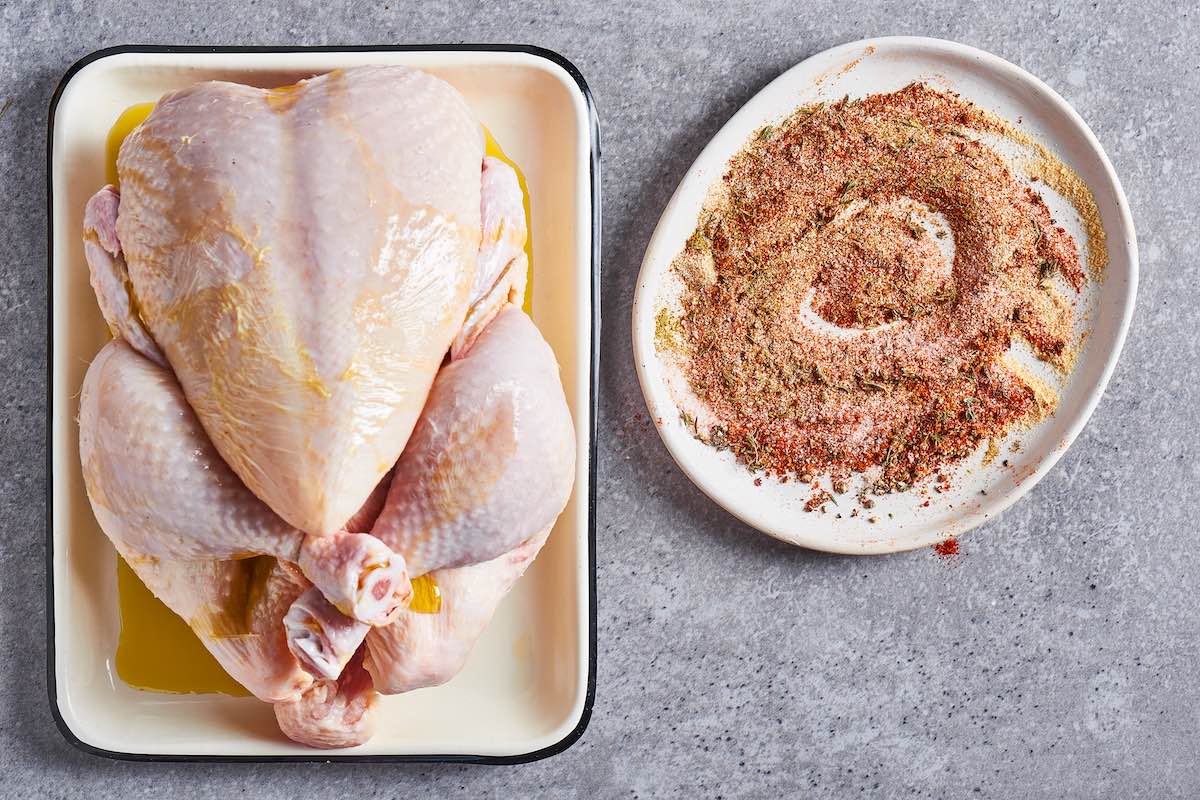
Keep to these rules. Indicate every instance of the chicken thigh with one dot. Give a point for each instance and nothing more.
(303, 258)
(487, 471)
(491, 461)
(159, 489)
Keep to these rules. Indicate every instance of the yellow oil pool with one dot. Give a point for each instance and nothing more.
(427, 595)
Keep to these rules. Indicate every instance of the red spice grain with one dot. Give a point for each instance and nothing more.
(946, 547)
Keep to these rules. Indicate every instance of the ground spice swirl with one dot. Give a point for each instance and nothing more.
(855, 285)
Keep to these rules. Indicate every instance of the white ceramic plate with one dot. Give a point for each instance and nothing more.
(859, 69)
(527, 690)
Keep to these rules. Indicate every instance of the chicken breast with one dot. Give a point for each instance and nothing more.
(303, 258)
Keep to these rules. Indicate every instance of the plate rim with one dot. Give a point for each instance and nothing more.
(646, 287)
(594, 175)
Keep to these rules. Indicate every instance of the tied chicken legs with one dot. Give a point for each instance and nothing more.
(319, 373)
(235, 608)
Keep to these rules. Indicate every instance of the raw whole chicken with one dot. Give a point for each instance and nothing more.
(320, 384)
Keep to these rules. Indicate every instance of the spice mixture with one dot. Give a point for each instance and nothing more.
(854, 287)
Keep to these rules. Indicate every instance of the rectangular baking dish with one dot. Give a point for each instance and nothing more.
(527, 689)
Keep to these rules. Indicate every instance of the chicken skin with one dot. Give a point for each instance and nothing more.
(420, 650)
(234, 607)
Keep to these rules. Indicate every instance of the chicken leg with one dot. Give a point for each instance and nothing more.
(332, 713)
(159, 489)
(234, 607)
(491, 461)
(490, 464)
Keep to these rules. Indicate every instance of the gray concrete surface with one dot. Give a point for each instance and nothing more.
(1056, 658)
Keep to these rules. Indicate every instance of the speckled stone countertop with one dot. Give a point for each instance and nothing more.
(1058, 656)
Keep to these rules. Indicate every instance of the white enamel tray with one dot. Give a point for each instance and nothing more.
(527, 690)
(858, 69)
